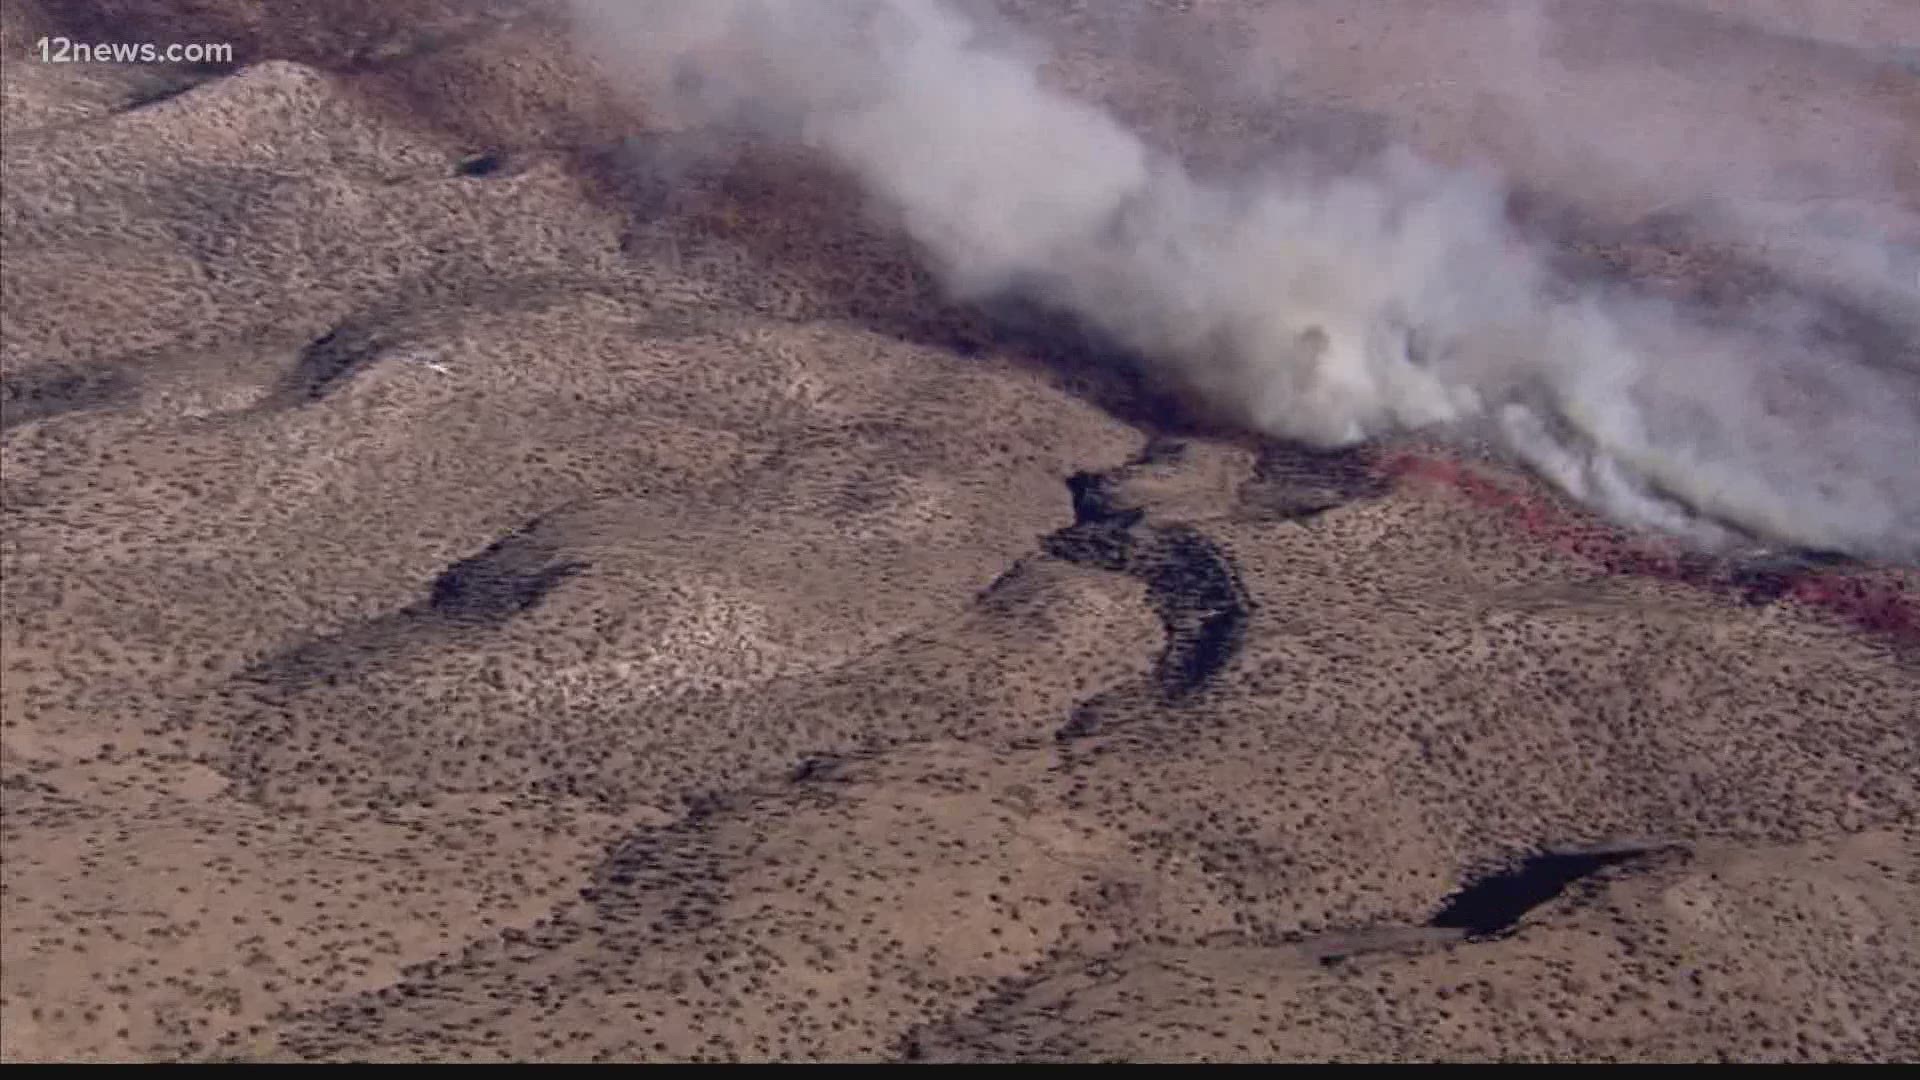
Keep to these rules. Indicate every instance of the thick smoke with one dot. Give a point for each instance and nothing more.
(1323, 310)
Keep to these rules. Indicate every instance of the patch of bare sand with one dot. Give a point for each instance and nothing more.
(467, 597)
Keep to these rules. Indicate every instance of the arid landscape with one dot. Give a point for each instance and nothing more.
(495, 567)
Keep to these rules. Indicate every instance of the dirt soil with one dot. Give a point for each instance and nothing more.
(474, 592)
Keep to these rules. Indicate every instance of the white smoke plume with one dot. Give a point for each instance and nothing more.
(1323, 310)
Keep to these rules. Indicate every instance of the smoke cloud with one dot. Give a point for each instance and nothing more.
(1330, 309)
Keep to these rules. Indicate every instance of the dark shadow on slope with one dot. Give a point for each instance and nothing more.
(510, 576)
(44, 392)
(328, 362)
(483, 591)
(1191, 581)
(1494, 904)
(480, 165)
(189, 77)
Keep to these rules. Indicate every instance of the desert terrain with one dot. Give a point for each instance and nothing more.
(489, 571)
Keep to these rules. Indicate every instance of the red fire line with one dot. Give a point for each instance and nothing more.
(1876, 606)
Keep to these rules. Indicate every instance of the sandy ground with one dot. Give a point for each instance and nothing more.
(479, 584)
